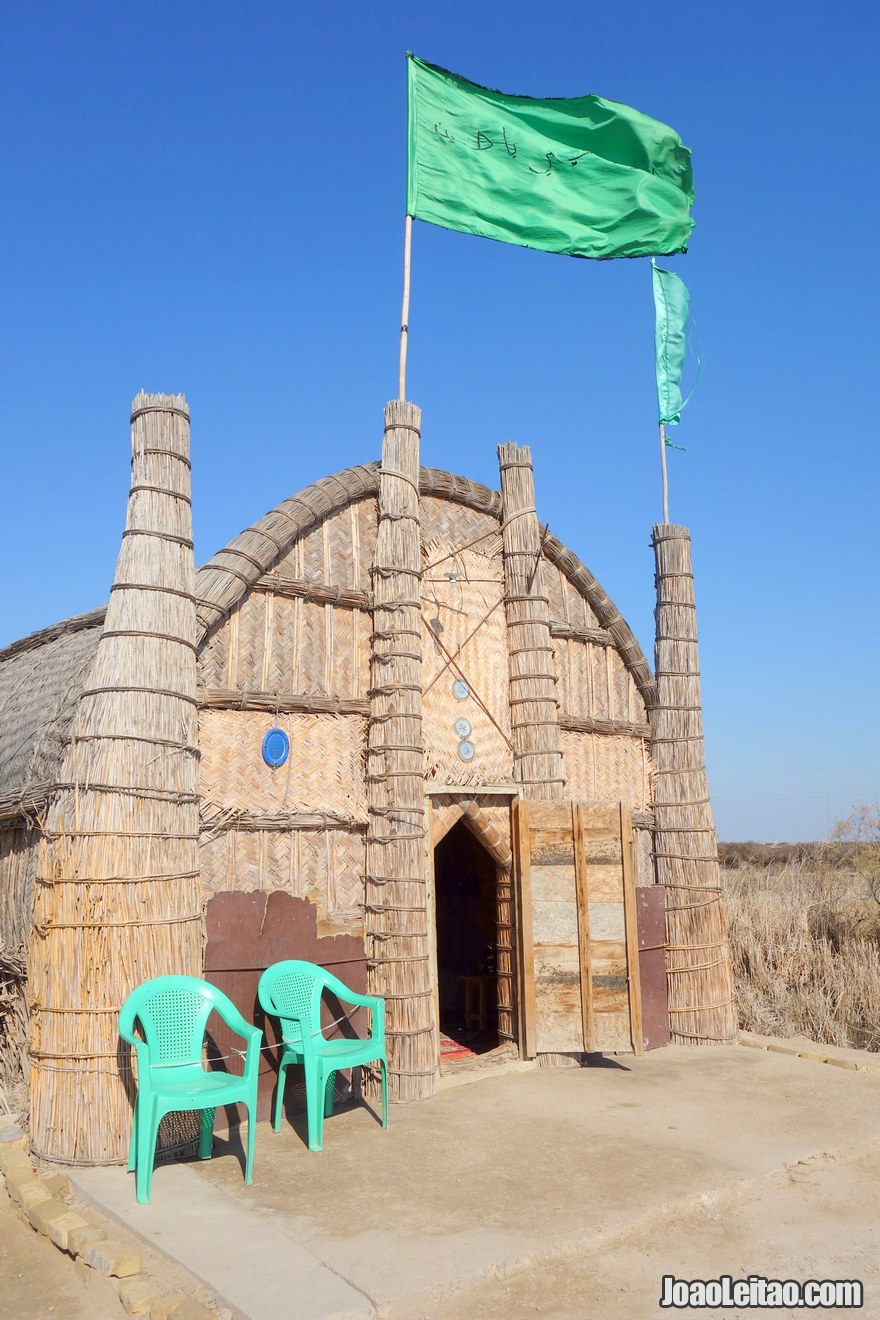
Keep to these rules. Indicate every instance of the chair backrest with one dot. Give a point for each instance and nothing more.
(172, 1011)
(292, 989)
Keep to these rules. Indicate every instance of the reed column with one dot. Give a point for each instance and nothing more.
(698, 956)
(396, 918)
(117, 893)
(534, 710)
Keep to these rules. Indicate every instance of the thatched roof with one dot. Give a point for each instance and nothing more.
(42, 676)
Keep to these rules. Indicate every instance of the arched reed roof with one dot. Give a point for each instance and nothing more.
(42, 675)
(224, 580)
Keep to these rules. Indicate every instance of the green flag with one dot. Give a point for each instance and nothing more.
(581, 175)
(671, 309)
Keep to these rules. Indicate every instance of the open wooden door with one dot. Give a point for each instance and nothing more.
(579, 974)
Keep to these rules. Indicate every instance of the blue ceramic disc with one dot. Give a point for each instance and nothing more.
(276, 746)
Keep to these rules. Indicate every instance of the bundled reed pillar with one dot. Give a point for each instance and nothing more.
(117, 892)
(396, 917)
(698, 956)
(534, 711)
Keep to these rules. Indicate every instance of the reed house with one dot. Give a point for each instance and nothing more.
(395, 727)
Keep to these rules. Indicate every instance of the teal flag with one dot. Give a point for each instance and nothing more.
(671, 310)
(580, 175)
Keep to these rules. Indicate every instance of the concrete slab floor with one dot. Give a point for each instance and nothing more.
(518, 1173)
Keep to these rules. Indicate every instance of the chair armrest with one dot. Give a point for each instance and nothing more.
(127, 1016)
(352, 997)
(142, 1054)
(254, 1038)
(229, 1014)
(374, 1002)
(237, 1022)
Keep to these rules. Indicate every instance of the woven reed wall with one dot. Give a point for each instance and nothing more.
(298, 641)
(398, 951)
(117, 881)
(644, 872)
(304, 625)
(322, 864)
(533, 700)
(698, 956)
(323, 773)
(593, 682)
(604, 768)
(464, 638)
(603, 716)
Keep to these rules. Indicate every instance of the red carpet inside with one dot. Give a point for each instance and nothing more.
(452, 1050)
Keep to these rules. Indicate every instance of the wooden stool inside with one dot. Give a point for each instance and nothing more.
(476, 1000)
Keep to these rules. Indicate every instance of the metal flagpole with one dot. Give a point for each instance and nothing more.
(663, 468)
(404, 315)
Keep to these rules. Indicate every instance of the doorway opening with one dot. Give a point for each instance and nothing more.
(466, 896)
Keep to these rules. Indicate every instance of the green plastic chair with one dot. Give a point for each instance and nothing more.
(291, 991)
(173, 1012)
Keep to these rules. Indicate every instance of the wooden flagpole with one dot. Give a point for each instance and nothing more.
(404, 314)
(663, 469)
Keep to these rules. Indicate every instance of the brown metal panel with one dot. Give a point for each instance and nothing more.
(651, 913)
(651, 909)
(256, 930)
(248, 933)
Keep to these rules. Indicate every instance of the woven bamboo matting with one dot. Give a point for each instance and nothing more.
(463, 617)
(326, 867)
(603, 768)
(323, 771)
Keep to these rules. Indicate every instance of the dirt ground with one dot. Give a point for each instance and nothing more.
(823, 1222)
(563, 1193)
(38, 1281)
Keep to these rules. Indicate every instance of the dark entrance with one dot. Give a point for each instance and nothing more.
(465, 886)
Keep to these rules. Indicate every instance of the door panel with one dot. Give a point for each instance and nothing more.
(579, 950)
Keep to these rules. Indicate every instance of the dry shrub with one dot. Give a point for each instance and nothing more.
(805, 943)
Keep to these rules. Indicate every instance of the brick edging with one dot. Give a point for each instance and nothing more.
(41, 1199)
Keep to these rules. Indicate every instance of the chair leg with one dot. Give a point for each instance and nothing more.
(315, 1108)
(384, 1067)
(132, 1145)
(279, 1096)
(148, 1130)
(329, 1095)
(206, 1133)
(252, 1123)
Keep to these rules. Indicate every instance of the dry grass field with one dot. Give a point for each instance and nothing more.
(805, 935)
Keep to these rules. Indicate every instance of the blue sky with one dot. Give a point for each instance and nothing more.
(209, 198)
